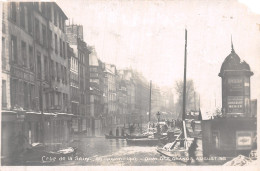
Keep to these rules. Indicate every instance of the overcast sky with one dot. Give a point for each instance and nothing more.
(149, 36)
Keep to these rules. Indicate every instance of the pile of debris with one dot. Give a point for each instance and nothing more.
(241, 161)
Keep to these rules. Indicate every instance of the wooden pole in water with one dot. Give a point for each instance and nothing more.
(184, 86)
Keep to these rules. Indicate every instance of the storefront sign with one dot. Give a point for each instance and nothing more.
(235, 104)
(244, 140)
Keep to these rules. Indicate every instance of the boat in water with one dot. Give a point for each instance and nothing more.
(114, 137)
(136, 136)
(143, 141)
(177, 150)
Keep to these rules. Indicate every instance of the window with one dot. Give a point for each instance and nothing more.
(30, 92)
(65, 75)
(31, 58)
(21, 94)
(52, 99)
(60, 48)
(46, 100)
(56, 44)
(13, 11)
(39, 65)
(37, 30)
(13, 91)
(57, 70)
(64, 52)
(26, 99)
(60, 22)
(24, 55)
(29, 19)
(22, 15)
(59, 98)
(46, 70)
(43, 8)
(49, 11)
(36, 5)
(52, 70)
(50, 40)
(55, 17)
(3, 21)
(13, 49)
(65, 100)
(44, 35)
(4, 101)
(3, 54)
(61, 68)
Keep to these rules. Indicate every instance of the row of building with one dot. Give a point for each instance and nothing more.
(54, 84)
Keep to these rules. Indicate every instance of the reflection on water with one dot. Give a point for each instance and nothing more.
(103, 151)
(98, 146)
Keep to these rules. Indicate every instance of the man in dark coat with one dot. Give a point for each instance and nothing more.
(192, 150)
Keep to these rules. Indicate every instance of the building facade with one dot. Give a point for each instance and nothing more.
(80, 65)
(34, 96)
(96, 103)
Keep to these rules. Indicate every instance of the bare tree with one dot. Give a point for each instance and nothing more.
(191, 96)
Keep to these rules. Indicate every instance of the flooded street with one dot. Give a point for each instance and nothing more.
(101, 151)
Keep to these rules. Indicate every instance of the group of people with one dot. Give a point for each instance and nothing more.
(117, 132)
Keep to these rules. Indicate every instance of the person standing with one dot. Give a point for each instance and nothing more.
(192, 150)
(110, 133)
(117, 132)
(123, 132)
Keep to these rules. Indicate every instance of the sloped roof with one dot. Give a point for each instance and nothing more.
(233, 63)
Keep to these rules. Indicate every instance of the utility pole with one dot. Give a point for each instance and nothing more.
(41, 105)
(195, 100)
(184, 80)
(150, 100)
(184, 91)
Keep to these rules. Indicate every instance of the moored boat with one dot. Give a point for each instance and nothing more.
(114, 137)
(136, 136)
(143, 141)
(177, 150)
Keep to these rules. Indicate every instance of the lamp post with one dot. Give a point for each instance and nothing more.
(158, 116)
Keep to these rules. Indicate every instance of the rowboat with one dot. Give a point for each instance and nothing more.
(135, 136)
(114, 137)
(143, 141)
(177, 150)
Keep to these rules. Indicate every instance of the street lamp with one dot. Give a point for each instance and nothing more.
(158, 116)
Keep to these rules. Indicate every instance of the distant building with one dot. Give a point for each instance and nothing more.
(96, 105)
(80, 64)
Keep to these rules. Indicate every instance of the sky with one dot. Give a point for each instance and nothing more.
(148, 36)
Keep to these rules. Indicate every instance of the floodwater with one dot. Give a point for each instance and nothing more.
(108, 152)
